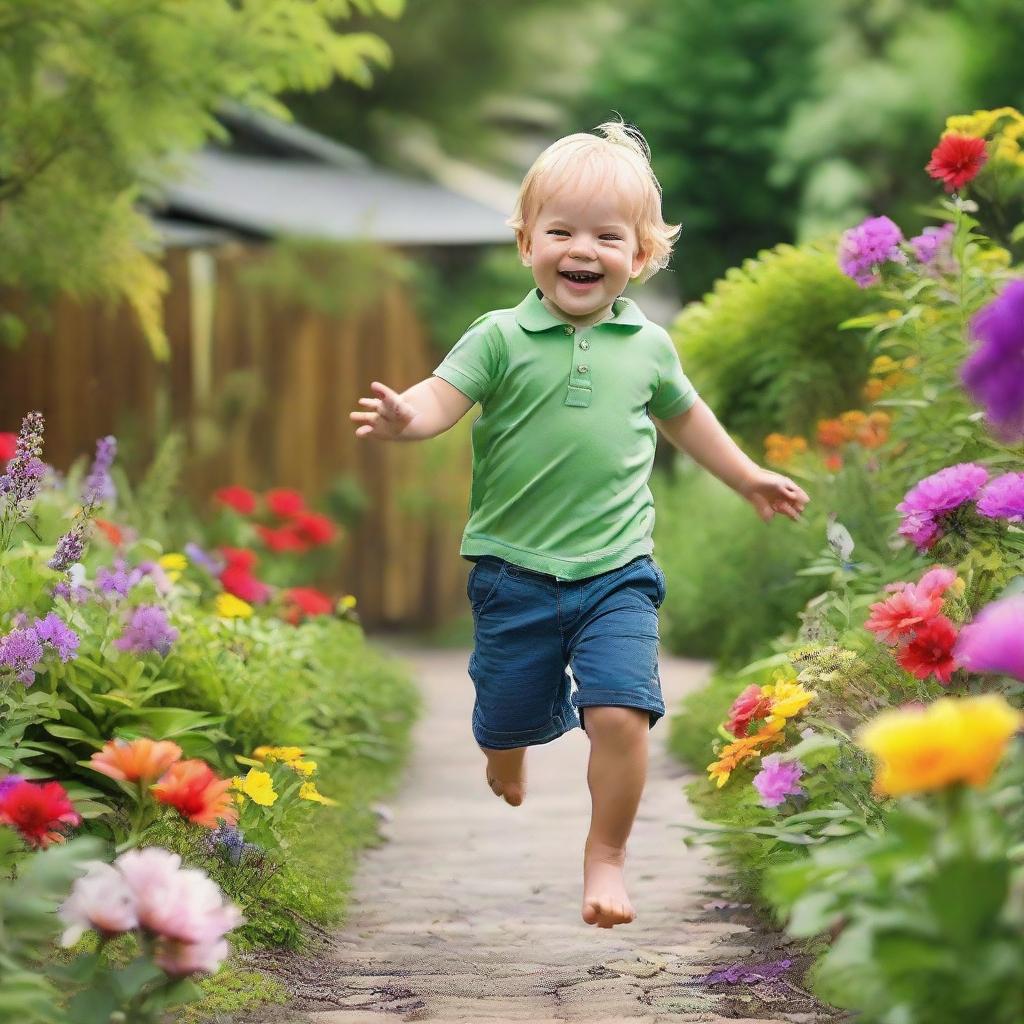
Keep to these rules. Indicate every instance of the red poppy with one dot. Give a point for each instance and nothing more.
(198, 794)
(307, 601)
(38, 812)
(241, 499)
(750, 704)
(315, 528)
(931, 650)
(285, 503)
(284, 538)
(240, 582)
(110, 531)
(957, 159)
(239, 558)
(8, 446)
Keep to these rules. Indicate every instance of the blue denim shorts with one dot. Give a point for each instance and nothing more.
(529, 628)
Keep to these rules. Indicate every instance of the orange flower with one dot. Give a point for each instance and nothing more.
(198, 794)
(874, 389)
(834, 462)
(876, 431)
(852, 421)
(734, 754)
(780, 449)
(832, 433)
(110, 530)
(141, 759)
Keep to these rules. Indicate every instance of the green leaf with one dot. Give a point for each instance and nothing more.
(67, 732)
(133, 979)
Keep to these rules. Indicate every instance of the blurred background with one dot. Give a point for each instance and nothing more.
(220, 221)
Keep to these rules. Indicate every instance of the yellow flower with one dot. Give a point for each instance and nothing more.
(952, 740)
(308, 791)
(788, 698)
(285, 754)
(306, 768)
(346, 602)
(173, 561)
(230, 607)
(883, 364)
(257, 786)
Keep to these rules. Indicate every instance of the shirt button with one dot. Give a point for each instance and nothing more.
(569, 329)
(582, 368)
(584, 344)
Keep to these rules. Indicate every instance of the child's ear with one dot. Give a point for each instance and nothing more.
(523, 242)
(640, 258)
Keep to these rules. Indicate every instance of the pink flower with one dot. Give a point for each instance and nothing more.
(994, 640)
(932, 497)
(777, 780)
(1003, 498)
(100, 899)
(181, 958)
(893, 619)
(937, 580)
(750, 704)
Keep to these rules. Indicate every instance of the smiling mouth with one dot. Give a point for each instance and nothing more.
(581, 276)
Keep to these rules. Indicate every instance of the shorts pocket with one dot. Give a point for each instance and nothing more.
(660, 577)
(483, 584)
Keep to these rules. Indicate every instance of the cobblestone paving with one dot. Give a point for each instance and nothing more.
(471, 910)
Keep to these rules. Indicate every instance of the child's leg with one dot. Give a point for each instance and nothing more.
(616, 774)
(506, 773)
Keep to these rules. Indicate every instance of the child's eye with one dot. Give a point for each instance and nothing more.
(557, 231)
(613, 238)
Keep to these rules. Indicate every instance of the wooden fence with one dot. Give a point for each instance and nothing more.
(91, 374)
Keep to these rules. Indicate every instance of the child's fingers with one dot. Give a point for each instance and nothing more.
(372, 403)
(363, 417)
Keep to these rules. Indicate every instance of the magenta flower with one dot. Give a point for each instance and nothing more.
(993, 374)
(20, 652)
(777, 780)
(929, 499)
(932, 247)
(994, 640)
(54, 631)
(118, 580)
(148, 630)
(864, 248)
(1003, 498)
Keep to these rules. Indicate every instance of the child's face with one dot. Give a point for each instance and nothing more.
(589, 234)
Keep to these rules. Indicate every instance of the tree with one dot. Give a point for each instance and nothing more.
(98, 98)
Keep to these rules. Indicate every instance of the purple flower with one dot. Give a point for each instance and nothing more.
(777, 779)
(21, 651)
(935, 495)
(863, 248)
(99, 487)
(933, 247)
(993, 374)
(25, 472)
(69, 548)
(54, 631)
(994, 640)
(118, 580)
(148, 630)
(230, 839)
(9, 782)
(213, 565)
(1003, 498)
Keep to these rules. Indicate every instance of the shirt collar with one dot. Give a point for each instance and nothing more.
(533, 315)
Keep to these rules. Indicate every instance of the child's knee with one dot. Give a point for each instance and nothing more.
(605, 722)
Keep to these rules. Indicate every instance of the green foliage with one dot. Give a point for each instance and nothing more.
(932, 932)
(98, 100)
(764, 349)
(713, 548)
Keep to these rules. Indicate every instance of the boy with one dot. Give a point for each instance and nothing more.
(572, 383)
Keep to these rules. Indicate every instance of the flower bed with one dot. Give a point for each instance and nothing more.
(866, 777)
(166, 745)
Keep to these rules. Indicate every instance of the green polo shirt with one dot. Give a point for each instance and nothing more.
(563, 447)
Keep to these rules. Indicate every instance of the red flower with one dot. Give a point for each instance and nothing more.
(38, 812)
(834, 462)
(285, 503)
(239, 558)
(110, 531)
(197, 793)
(891, 620)
(750, 704)
(284, 538)
(307, 601)
(931, 650)
(240, 582)
(315, 528)
(241, 499)
(957, 159)
(8, 446)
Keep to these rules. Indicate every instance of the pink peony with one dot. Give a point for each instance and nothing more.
(994, 640)
(935, 495)
(1003, 498)
(181, 958)
(100, 899)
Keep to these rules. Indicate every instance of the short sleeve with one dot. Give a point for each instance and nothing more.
(474, 364)
(674, 393)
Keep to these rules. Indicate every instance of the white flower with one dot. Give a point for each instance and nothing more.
(100, 899)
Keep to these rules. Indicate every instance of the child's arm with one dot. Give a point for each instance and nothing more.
(424, 410)
(698, 433)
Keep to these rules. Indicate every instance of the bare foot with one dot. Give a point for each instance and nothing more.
(506, 773)
(605, 902)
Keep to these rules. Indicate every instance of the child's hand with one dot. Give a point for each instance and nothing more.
(390, 415)
(772, 492)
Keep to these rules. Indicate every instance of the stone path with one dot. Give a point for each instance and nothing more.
(471, 911)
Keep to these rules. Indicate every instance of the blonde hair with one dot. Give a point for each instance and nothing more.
(570, 157)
